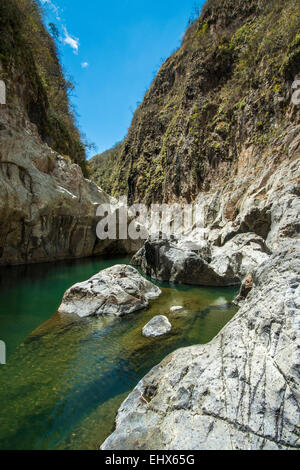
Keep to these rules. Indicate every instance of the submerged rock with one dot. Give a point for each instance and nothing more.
(176, 308)
(117, 291)
(240, 391)
(158, 326)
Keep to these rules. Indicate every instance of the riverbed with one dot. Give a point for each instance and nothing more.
(64, 380)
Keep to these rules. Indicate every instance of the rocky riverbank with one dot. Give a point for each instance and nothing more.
(238, 392)
(241, 390)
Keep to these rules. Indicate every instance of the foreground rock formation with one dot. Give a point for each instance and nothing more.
(241, 391)
(116, 291)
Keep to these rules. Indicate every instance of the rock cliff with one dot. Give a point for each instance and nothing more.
(219, 112)
(219, 127)
(47, 206)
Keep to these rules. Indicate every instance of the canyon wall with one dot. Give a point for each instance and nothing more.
(47, 206)
(220, 126)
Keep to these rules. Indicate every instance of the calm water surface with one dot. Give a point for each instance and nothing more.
(65, 380)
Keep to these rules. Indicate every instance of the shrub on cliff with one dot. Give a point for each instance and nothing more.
(34, 76)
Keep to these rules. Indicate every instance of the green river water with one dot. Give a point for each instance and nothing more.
(64, 380)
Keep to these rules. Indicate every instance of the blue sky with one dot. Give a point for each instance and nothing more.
(112, 50)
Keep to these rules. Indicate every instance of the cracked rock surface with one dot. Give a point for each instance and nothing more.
(240, 391)
(117, 291)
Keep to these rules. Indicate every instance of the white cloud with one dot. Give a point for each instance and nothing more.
(84, 65)
(53, 7)
(71, 41)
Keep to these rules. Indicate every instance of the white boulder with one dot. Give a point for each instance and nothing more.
(158, 326)
(117, 291)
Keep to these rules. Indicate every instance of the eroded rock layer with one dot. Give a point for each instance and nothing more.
(47, 207)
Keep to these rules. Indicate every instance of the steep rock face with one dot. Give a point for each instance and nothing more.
(219, 111)
(103, 167)
(47, 207)
(34, 79)
(241, 391)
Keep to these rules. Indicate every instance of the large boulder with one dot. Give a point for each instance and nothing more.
(117, 291)
(164, 260)
(158, 326)
(241, 391)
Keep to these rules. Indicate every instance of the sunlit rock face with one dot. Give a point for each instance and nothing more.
(238, 392)
(47, 207)
(115, 291)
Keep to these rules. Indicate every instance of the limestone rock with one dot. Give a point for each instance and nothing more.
(47, 207)
(116, 291)
(158, 326)
(239, 256)
(166, 261)
(241, 391)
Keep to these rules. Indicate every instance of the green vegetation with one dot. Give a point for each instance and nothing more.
(34, 76)
(228, 87)
(102, 167)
